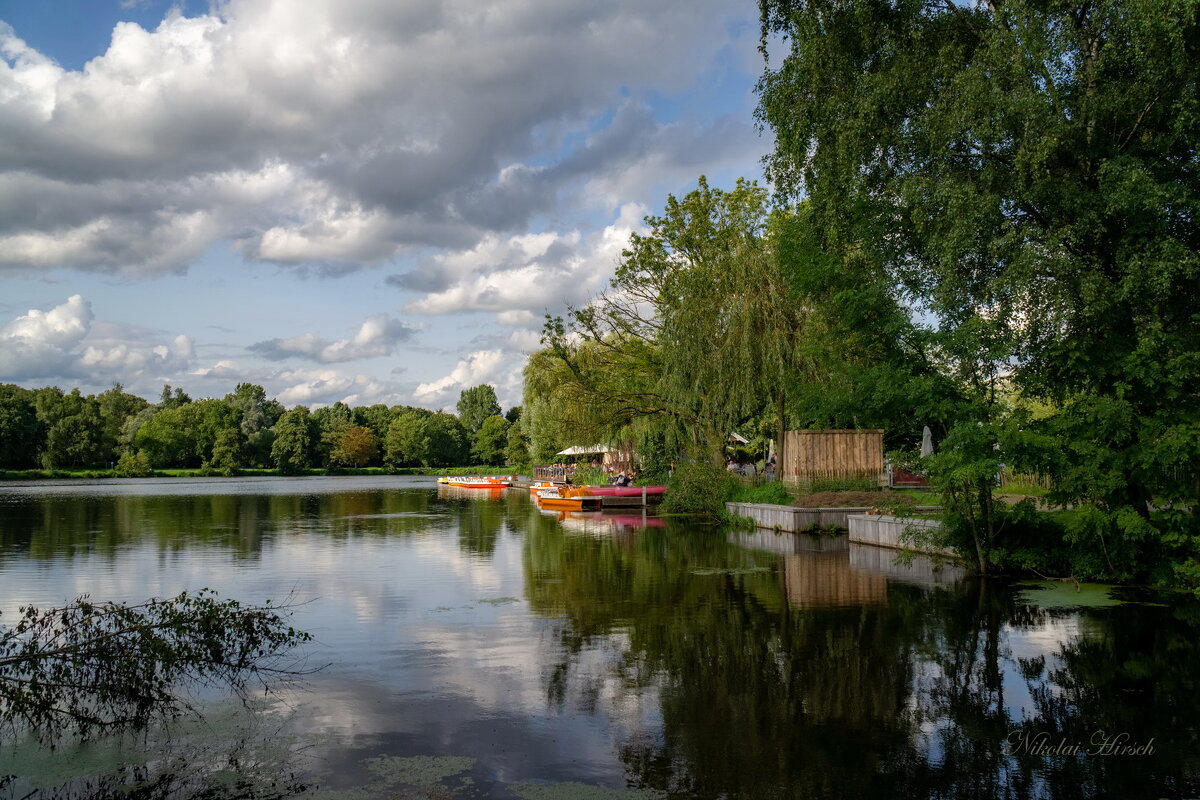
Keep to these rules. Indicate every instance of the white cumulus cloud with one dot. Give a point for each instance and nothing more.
(482, 366)
(67, 342)
(377, 336)
(350, 133)
(519, 282)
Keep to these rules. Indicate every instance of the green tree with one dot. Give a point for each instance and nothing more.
(490, 441)
(132, 425)
(132, 465)
(295, 433)
(331, 422)
(376, 417)
(258, 416)
(516, 446)
(355, 447)
(407, 441)
(449, 441)
(227, 451)
(1027, 174)
(477, 404)
(20, 431)
(116, 407)
(167, 399)
(74, 428)
(203, 421)
(698, 329)
(167, 439)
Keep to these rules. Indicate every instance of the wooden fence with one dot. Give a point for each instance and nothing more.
(833, 454)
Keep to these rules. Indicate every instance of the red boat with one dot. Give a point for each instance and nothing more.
(625, 491)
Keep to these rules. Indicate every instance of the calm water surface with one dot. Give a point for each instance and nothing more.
(476, 647)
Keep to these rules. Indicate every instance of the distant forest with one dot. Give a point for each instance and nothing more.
(51, 429)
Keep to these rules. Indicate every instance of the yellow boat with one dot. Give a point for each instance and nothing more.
(568, 498)
(478, 482)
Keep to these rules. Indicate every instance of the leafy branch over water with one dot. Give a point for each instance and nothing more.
(89, 667)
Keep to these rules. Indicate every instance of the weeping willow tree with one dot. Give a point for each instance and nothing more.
(696, 334)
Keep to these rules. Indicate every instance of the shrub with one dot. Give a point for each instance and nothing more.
(699, 487)
(132, 465)
(591, 476)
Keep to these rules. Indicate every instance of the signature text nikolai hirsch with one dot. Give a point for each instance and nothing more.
(1100, 744)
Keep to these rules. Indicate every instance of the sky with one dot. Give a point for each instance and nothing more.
(367, 201)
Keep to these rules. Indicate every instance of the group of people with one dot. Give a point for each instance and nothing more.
(747, 469)
(624, 479)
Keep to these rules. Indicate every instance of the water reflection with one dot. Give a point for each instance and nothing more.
(596, 648)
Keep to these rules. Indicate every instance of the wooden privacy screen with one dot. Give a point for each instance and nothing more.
(833, 454)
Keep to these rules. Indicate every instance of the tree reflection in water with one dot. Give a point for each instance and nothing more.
(801, 676)
(722, 664)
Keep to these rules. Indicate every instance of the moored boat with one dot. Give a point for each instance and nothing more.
(568, 498)
(478, 481)
(625, 491)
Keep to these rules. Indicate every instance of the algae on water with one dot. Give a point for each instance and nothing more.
(581, 791)
(1066, 594)
(417, 770)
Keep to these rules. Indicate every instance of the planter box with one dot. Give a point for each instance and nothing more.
(794, 519)
(884, 531)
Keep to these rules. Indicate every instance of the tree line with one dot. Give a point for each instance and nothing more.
(48, 428)
(984, 219)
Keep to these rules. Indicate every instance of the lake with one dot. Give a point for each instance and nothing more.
(474, 647)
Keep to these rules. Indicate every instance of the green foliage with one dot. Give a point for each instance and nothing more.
(476, 405)
(590, 476)
(965, 469)
(1025, 175)
(377, 417)
(842, 485)
(330, 422)
(544, 429)
(20, 430)
(116, 407)
(448, 441)
(654, 454)
(258, 416)
(168, 400)
(491, 440)
(696, 333)
(295, 434)
(407, 442)
(74, 428)
(698, 487)
(355, 447)
(773, 492)
(165, 440)
(92, 667)
(1023, 488)
(516, 446)
(226, 452)
(132, 465)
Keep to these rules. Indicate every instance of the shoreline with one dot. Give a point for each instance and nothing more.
(198, 472)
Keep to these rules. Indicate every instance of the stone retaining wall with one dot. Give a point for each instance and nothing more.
(795, 519)
(884, 531)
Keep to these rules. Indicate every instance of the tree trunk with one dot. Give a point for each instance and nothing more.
(780, 437)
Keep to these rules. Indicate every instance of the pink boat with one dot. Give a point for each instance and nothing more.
(624, 491)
